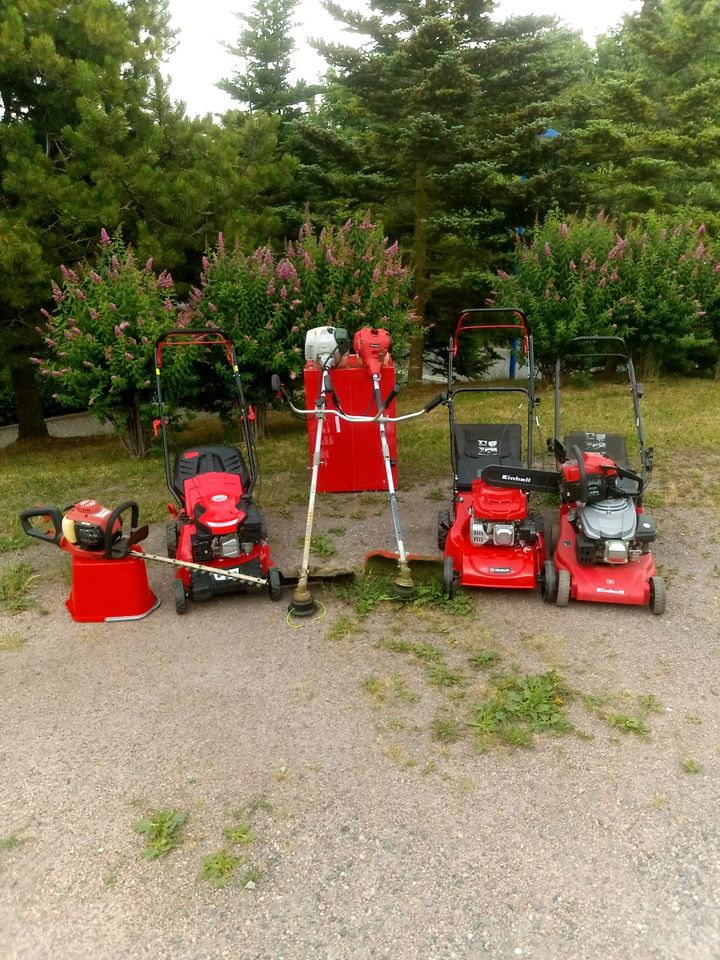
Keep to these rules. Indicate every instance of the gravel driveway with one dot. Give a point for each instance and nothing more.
(373, 838)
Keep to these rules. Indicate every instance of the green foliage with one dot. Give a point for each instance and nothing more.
(445, 729)
(484, 659)
(521, 706)
(658, 286)
(348, 277)
(321, 546)
(161, 830)
(241, 834)
(16, 581)
(690, 766)
(218, 868)
(627, 724)
(101, 335)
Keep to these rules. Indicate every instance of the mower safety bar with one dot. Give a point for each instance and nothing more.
(47, 513)
(193, 337)
(521, 478)
(603, 339)
(462, 327)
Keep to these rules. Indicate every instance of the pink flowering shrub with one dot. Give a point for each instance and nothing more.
(349, 276)
(100, 338)
(658, 285)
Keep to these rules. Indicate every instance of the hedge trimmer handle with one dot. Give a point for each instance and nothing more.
(112, 520)
(48, 513)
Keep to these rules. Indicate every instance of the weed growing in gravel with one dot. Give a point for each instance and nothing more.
(694, 719)
(445, 729)
(343, 627)
(12, 641)
(320, 546)
(432, 595)
(365, 593)
(358, 515)
(241, 834)
(484, 659)
(16, 581)
(337, 531)
(402, 691)
(12, 841)
(218, 868)
(376, 687)
(690, 766)
(250, 877)
(438, 495)
(519, 707)
(161, 830)
(258, 803)
(627, 724)
(649, 703)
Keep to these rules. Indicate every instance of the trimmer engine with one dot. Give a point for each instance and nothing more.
(372, 345)
(326, 344)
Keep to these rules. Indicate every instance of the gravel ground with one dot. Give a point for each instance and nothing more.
(373, 839)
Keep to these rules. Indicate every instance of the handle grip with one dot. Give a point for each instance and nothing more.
(53, 513)
(112, 520)
(391, 396)
(435, 402)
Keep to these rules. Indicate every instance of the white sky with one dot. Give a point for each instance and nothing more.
(200, 59)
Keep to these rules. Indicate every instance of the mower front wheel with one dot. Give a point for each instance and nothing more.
(549, 582)
(657, 595)
(444, 524)
(449, 578)
(274, 584)
(180, 598)
(563, 588)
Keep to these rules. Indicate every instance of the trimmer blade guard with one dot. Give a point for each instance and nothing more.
(521, 478)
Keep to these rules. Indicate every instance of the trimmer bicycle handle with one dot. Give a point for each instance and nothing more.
(435, 402)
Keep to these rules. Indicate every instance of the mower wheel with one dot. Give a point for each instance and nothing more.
(171, 538)
(180, 598)
(657, 595)
(549, 582)
(563, 588)
(274, 585)
(444, 524)
(449, 578)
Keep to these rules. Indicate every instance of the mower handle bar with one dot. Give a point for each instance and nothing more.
(599, 339)
(521, 327)
(219, 339)
(53, 513)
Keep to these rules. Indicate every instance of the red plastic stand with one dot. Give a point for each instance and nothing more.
(109, 589)
(351, 453)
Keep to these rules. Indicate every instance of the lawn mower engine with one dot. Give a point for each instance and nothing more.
(609, 527)
(493, 540)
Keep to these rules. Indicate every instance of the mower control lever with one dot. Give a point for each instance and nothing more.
(51, 513)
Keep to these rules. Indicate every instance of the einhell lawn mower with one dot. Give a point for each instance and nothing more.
(326, 346)
(603, 547)
(218, 535)
(108, 583)
(488, 537)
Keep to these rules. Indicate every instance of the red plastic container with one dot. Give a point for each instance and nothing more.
(106, 590)
(350, 452)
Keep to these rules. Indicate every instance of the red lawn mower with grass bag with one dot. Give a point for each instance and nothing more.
(488, 537)
(603, 546)
(216, 524)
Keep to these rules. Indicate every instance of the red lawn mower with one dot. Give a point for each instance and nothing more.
(603, 546)
(488, 537)
(217, 525)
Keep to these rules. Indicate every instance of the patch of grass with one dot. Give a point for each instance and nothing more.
(218, 868)
(376, 688)
(343, 627)
(250, 877)
(397, 723)
(484, 659)
(241, 834)
(440, 675)
(258, 803)
(649, 703)
(594, 702)
(519, 707)
(12, 841)
(395, 644)
(445, 729)
(161, 829)
(437, 495)
(427, 652)
(320, 546)
(694, 719)
(358, 515)
(337, 531)
(12, 641)
(16, 581)
(431, 594)
(365, 593)
(402, 691)
(626, 723)
(690, 766)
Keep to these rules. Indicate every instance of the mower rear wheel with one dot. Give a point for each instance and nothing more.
(171, 539)
(274, 584)
(449, 578)
(180, 598)
(563, 588)
(657, 595)
(444, 524)
(549, 582)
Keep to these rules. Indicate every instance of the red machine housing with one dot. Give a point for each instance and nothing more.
(350, 452)
(602, 583)
(515, 566)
